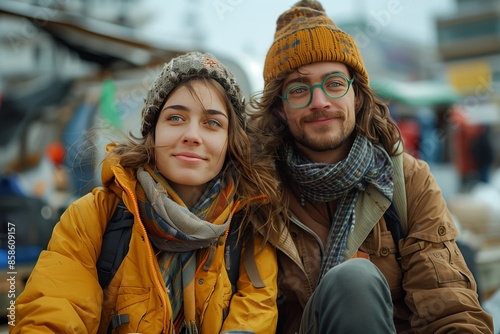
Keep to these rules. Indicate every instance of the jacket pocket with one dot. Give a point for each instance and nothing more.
(133, 302)
(450, 267)
(213, 294)
(442, 260)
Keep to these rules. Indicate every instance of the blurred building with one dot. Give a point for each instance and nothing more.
(46, 47)
(469, 47)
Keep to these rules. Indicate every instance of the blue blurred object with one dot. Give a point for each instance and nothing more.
(3, 258)
(27, 254)
(10, 185)
(79, 159)
(430, 148)
(26, 223)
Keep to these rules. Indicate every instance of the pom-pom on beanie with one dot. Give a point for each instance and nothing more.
(305, 35)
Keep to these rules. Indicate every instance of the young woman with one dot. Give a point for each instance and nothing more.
(184, 181)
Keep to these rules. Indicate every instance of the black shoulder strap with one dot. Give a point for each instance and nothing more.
(393, 223)
(233, 252)
(399, 197)
(115, 244)
(396, 215)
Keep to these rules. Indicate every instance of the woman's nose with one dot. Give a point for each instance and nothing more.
(192, 134)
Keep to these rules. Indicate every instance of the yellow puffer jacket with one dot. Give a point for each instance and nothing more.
(63, 294)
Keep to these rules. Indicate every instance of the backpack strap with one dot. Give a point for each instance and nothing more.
(394, 225)
(396, 215)
(399, 197)
(251, 266)
(115, 244)
(233, 253)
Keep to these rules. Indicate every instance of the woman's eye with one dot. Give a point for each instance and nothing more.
(175, 118)
(214, 123)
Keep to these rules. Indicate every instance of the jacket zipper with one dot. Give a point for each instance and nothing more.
(296, 221)
(151, 257)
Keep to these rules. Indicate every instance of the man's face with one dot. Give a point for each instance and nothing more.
(322, 130)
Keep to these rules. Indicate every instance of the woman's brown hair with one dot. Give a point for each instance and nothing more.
(256, 186)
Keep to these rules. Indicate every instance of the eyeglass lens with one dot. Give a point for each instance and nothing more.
(334, 86)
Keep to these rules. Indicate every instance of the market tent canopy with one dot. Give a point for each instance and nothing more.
(104, 43)
(118, 47)
(418, 93)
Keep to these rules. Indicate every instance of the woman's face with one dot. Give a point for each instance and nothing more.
(191, 138)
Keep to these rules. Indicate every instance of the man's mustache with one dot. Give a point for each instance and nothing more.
(319, 115)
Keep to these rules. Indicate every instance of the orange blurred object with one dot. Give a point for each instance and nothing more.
(55, 152)
(410, 132)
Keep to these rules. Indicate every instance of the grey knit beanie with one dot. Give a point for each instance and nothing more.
(181, 69)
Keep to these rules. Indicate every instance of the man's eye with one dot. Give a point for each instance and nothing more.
(336, 81)
(298, 90)
(333, 84)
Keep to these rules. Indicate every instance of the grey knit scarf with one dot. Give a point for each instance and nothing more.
(177, 221)
(323, 182)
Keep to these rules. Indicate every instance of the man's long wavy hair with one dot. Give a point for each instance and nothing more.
(253, 177)
(269, 130)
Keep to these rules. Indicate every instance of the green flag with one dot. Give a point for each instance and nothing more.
(107, 104)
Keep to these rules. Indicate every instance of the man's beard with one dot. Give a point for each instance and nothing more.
(320, 144)
(324, 142)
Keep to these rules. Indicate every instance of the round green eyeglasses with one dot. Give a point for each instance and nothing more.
(334, 85)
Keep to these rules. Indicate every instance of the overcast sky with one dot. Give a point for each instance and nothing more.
(249, 25)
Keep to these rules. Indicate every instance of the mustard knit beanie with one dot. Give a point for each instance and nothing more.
(305, 35)
(182, 69)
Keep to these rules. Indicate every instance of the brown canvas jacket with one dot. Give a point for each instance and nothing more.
(432, 288)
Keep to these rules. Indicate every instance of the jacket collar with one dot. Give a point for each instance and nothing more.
(370, 207)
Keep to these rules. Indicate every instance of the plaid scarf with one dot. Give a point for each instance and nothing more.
(323, 182)
(178, 233)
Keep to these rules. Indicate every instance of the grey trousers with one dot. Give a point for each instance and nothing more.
(353, 297)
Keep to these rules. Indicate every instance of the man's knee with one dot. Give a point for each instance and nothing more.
(352, 274)
(358, 285)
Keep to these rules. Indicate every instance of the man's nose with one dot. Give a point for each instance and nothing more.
(319, 99)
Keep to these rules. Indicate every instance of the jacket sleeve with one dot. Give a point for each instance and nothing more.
(63, 294)
(254, 308)
(440, 289)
